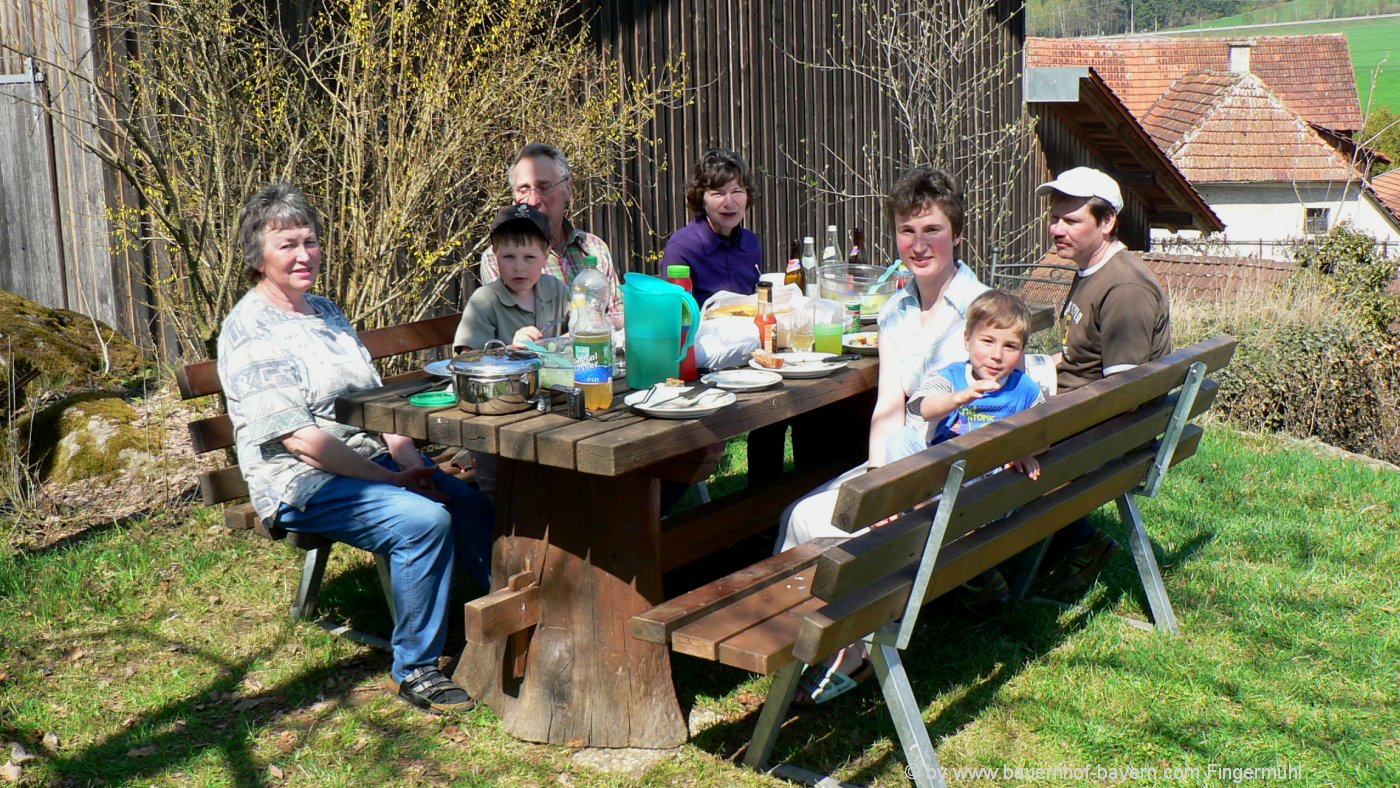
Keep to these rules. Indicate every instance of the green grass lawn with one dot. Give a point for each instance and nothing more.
(1374, 44)
(159, 652)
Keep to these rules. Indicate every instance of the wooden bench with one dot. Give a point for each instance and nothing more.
(1110, 441)
(226, 485)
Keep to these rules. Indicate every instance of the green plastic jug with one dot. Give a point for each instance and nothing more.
(652, 319)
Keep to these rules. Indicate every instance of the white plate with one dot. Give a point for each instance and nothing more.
(743, 379)
(439, 368)
(710, 402)
(802, 365)
(871, 349)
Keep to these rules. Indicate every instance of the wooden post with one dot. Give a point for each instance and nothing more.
(594, 544)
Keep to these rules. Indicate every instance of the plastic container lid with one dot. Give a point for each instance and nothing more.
(678, 272)
(591, 261)
(433, 399)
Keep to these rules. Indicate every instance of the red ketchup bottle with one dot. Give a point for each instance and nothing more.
(680, 275)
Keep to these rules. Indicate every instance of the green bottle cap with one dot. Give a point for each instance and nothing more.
(590, 261)
(678, 271)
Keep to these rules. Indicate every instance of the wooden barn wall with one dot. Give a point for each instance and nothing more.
(77, 269)
(750, 92)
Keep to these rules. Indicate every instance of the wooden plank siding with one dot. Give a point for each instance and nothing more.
(81, 271)
(750, 91)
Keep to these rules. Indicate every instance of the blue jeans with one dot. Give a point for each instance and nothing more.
(420, 536)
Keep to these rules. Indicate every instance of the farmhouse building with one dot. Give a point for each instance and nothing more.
(1263, 129)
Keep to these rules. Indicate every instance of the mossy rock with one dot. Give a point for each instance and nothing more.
(63, 346)
(88, 436)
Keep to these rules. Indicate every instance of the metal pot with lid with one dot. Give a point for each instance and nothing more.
(496, 379)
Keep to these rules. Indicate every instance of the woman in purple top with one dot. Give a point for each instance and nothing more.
(721, 253)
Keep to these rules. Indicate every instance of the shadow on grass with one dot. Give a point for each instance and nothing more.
(957, 660)
(955, 657)
(229, 715)
(221, 715)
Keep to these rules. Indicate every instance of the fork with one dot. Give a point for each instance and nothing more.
(690, 397)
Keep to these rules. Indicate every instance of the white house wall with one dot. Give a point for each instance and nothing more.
(1265, 219)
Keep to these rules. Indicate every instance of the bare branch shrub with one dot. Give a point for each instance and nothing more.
(1307, 365)
(946, 73)
(397, 118)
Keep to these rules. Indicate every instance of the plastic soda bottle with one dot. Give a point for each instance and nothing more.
(592, 334)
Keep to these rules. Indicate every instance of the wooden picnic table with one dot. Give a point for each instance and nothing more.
(580, 540)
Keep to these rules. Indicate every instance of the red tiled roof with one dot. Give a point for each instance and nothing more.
(1312, 74)
(1387, 189)
(1230, 127)
(1216, 279)
(1183, 106)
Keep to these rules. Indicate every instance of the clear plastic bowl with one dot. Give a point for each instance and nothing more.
(846, 282)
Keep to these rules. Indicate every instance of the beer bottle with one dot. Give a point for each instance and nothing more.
(857, 255)
(795, 274)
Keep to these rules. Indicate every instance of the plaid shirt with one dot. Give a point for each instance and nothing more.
(581, 244)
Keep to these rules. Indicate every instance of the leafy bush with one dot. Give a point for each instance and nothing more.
(1348, 264)
(1382, 132)
(1305, 366)
(1338, 383)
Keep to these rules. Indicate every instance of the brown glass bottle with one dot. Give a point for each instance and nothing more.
(795, 274)
(857, 254)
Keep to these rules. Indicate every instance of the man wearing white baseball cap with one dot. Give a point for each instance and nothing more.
(1114, 319)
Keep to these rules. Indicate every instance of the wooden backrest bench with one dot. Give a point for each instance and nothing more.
(226, 485)
(1109, 441)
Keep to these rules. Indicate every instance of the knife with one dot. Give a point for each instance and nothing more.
(842, 357)
(431, 384)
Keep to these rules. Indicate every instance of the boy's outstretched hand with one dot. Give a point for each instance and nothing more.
(980, 388)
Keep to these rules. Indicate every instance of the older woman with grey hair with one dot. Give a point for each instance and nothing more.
(285, 354)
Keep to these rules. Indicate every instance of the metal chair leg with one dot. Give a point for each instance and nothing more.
(381, 562)
(1025, 573)
(770, 719)
(907, 716)
(1151, 575)
(312, 570)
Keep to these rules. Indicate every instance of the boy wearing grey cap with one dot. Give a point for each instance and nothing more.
(513, 307)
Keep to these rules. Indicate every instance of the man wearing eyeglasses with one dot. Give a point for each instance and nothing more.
(540, 177)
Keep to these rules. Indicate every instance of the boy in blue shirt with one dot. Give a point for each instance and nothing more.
(988, 386)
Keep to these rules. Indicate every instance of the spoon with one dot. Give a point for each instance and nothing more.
(889, 270)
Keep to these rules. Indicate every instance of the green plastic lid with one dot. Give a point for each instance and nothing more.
(590, 261)
(678, 271)
(433, 399)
